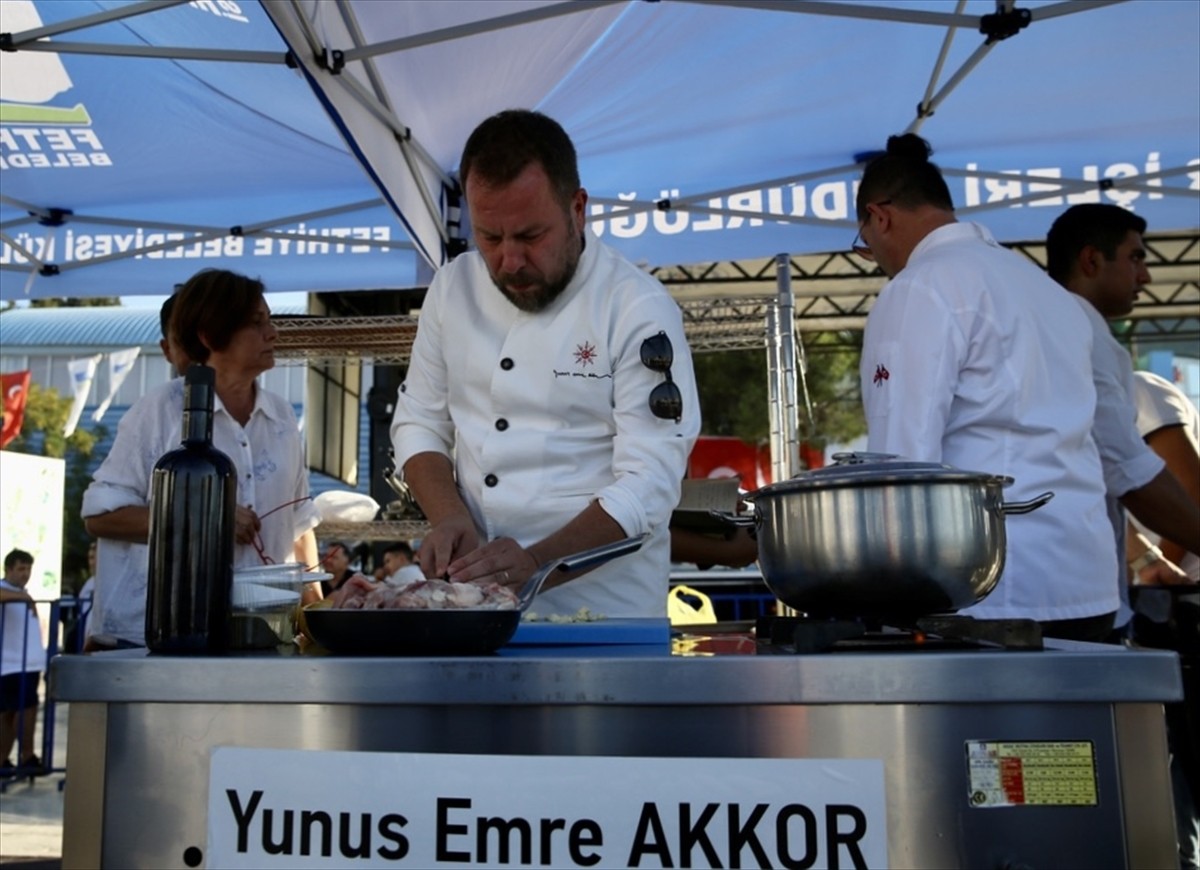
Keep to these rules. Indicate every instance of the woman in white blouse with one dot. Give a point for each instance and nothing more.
(220, 319)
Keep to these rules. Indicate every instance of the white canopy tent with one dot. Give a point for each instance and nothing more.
(719, 130)
(707, 130)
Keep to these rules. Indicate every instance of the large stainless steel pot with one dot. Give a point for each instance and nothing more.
(874, 536)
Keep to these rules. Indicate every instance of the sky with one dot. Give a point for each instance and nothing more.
(275, 300)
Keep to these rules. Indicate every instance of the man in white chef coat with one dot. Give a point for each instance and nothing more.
(975, 358)
(550, 404)
(1096, 251)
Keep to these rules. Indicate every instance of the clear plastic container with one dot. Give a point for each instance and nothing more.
(265, 600)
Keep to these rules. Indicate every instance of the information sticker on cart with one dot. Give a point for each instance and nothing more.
(303, 809)
(1031, 773)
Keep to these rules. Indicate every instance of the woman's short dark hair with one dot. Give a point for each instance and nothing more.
(214, 303)
(503, 145)
(904, 176)
(1101, 225)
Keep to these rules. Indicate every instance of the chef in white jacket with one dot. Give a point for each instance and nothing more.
(973, 357)
(550, 404)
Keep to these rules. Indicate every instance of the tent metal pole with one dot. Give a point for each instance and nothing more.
(850, 10)
(85, 21)
(925, 108)
(638, 207)
(955, 80)
(374, 100)
(273, 58)
(474, 28)
(1070, 7)
(785, 462)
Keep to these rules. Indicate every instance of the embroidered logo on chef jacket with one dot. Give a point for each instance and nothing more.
(881, 375)
(585, 354)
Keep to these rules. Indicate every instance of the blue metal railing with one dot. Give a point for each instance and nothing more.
(66, 617)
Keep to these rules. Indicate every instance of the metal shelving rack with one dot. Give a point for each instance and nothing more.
(831, 294)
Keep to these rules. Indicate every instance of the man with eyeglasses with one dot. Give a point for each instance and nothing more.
(974, 357)
(550, 404)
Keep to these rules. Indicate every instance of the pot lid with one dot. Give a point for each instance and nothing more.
(851, 469)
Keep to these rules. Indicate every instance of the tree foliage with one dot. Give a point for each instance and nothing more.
(734, 393)
(75, 302)
(46, 412)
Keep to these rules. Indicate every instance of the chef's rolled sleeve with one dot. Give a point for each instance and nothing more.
(123, 478)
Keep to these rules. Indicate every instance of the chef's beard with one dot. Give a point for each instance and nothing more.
(541, 293)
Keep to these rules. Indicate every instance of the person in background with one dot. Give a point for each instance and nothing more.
(973, 357)
(1096, 251)
(77, 637)
(22, 659)
(1170, 424)
(399, 566)
(221, 319)
(170, 345)
(550, 403)
(735, 550)
(336, 561)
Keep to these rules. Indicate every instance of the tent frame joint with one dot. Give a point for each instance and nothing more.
(54, 217)
(1003, 24)
(333, 60)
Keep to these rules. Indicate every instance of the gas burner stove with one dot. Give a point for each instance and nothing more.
(803, 634)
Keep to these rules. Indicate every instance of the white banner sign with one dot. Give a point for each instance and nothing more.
(300, 809)
(83, 372)
(120, 364)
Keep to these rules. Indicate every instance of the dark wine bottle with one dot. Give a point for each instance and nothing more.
(193, 501)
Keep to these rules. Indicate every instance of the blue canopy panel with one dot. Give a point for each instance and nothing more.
(124, 175)
(743, 113)
(776, 95)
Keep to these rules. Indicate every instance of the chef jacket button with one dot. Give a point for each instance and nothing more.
(506, 363)
(491, 480)
(501, 424)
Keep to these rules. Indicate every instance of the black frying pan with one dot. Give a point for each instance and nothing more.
(442, 632)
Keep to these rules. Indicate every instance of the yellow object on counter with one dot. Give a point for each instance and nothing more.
(688, 606)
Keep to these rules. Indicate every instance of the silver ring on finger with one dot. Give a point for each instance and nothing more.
(503, 576)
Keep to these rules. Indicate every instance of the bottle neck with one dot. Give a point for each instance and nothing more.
(197, 425)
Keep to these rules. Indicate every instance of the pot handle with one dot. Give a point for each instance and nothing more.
(1024, 507)
(744, 521)
(862, 457)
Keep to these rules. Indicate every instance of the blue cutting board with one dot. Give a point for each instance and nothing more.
(600, 632)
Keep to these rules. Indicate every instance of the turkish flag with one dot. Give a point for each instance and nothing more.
(15, 386)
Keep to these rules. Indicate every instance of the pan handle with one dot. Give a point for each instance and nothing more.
(577, 562)
(1024, 507)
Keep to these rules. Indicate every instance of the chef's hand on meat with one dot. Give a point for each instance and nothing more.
(354, 585)
(245, 525)
(448, 540)
(502, 561)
